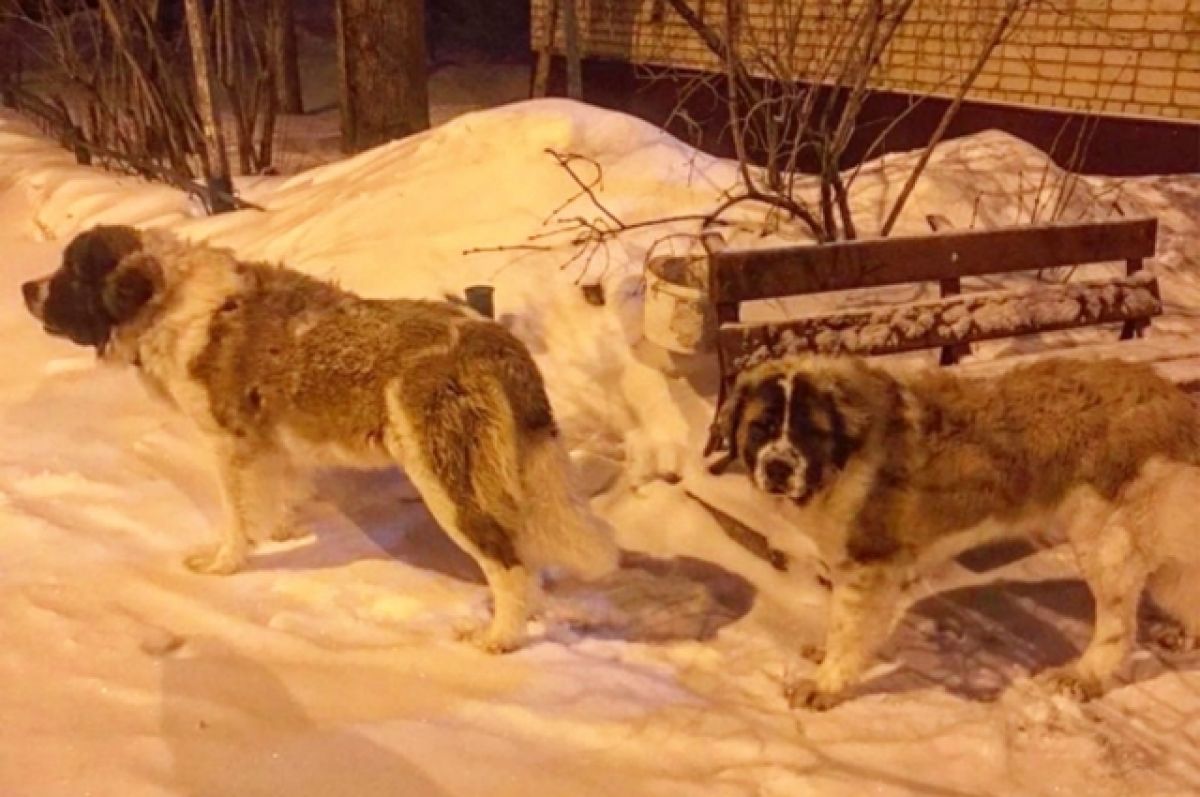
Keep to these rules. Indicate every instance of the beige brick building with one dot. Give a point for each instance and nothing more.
(1127, 58)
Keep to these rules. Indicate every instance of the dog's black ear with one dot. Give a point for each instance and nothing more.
(128, 288)
(724, 430)
(847, 426)
(94, 254)
(849, 405)
(870, 395)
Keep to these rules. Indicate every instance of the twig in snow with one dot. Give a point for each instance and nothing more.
(590, 236)
(476, 250)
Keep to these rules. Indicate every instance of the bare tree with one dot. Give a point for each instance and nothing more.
(796, 78)
(571, 41)
(116, 85)
(248, 75)
(1009, 15)
(281, 44)
(541, 70)
(217, 171)
(384, 81)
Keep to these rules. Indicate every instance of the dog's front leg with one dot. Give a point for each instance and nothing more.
(862, 610)
(237, 466)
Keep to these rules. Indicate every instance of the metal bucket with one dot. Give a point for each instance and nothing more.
(676, 312)
(479, 297)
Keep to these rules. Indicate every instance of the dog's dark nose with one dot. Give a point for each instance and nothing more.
(778, 472)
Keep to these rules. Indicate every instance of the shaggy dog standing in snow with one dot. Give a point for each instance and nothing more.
(280, 369)
(893, 472)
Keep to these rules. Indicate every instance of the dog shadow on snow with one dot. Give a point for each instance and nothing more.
(974, 642)
(653, 599)
(648, 599)
(355, 516)
(232, 726)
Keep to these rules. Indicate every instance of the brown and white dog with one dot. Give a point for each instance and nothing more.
(282, 370)
(892, 473)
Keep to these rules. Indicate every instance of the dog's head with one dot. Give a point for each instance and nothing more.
(796, 423)
(104, 280)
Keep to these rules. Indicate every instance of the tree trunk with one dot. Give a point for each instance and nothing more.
(541, 72)
(281, 42)
(216, 169)
(571, 40)
(381, 57)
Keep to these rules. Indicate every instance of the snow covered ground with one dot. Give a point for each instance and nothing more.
(330, 666)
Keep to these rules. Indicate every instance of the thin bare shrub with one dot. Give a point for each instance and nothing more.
(796, 75)
(115, 83)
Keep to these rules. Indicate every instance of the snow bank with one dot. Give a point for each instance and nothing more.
(331, 665)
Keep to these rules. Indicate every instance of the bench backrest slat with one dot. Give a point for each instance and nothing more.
(739, 276)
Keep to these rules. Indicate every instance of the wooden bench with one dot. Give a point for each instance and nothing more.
(950, 323)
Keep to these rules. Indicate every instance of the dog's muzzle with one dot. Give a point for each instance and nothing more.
(781, 471)
(777, 474)
(34, 293)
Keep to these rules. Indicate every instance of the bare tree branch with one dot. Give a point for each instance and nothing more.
(1013, 9)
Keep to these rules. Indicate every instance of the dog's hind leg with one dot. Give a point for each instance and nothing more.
(490, 544)
(1175, 585)
(484, 532)
(512, 585)
(1175, 589)
(1115, 571)
(513, 588)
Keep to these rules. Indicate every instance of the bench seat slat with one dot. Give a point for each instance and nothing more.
(746, 275)
(946, 322)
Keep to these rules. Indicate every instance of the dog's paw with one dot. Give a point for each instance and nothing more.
(1170, 636)
(496, 646)
(215, 561)
(812, 652)
(805, 694)
(287, 533)
(487, 640)
(1069, 682)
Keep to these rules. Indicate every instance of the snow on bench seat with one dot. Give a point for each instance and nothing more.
(946, 322)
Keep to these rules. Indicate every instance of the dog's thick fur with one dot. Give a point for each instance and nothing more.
(893, 472)
(281, 369)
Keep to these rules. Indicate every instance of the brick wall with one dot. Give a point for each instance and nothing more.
(1120, 57)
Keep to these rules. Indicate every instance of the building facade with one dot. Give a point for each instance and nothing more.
(1131, 60)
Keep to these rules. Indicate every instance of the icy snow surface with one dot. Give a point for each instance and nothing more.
(330, 667)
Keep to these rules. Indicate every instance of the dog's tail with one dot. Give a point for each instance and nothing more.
(523, 479)
(560, 528)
